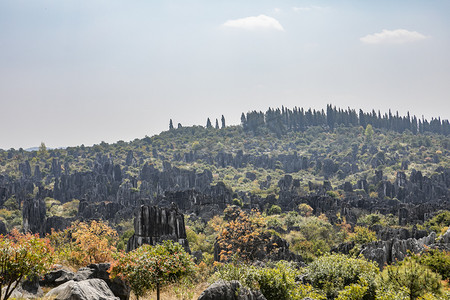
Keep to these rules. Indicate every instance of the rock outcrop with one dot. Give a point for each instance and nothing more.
(386, 252)
(56, 277)
(33, 213)
(153, 225)
(90, 289)
(62, 276)
(233, 290)
(3, 229)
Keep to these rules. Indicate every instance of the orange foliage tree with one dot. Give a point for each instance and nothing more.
(244, 235)
(22, 256)
(85, 243)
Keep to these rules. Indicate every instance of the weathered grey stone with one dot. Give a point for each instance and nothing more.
(100, 271)
(27, 289)
(154, 224)
(90, 289)
(386, 252)
(33, 214)
(56, 277)
(3, 229)
(222, 290)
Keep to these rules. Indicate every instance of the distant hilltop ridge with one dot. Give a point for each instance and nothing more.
(285, 120)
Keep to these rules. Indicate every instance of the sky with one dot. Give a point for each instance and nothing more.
(78, 72)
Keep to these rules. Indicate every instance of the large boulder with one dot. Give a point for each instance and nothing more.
(90, 289)
(27, 289)
(100, 271)
(233, 290)
(56, 277)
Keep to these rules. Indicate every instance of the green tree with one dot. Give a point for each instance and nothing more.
(22, 256)
(42, 152)
(151, 267)
(208, 123)
(368, 133)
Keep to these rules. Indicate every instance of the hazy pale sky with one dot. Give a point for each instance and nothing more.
(80, 72)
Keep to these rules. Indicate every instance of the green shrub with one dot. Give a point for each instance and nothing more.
(415, 278)
(333, 194)
(274, 210)
(237, 202)
(11, 204)
(355, 291)
(362, 235)
(384, 293)
(439, 222)
(305, 210)
(275, 281)
(437, 261)
(332, 273)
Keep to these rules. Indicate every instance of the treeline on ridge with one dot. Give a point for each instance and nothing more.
(285, 120)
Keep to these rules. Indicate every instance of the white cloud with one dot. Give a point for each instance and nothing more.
(277, 10)
(398, 36)
(255, 23)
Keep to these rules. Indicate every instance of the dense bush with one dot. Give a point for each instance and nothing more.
(276, 281)
(439, 223)
(415, 279)
(438, 261)
(274, 210)
(332, 273)
(362, 235)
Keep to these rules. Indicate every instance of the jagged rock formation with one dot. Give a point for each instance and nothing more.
(3, 228)
(386, 252)
(130, 160)
(411, 209)
(153, 224)
(100, 184)
(55, 222)
(18, 188)
(110, 192)
(33, 213)
(388, 233)
(101, 210)
(222, 290)
(208, 204)
(290, 163)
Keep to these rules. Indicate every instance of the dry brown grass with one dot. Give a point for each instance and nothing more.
(174, 293)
